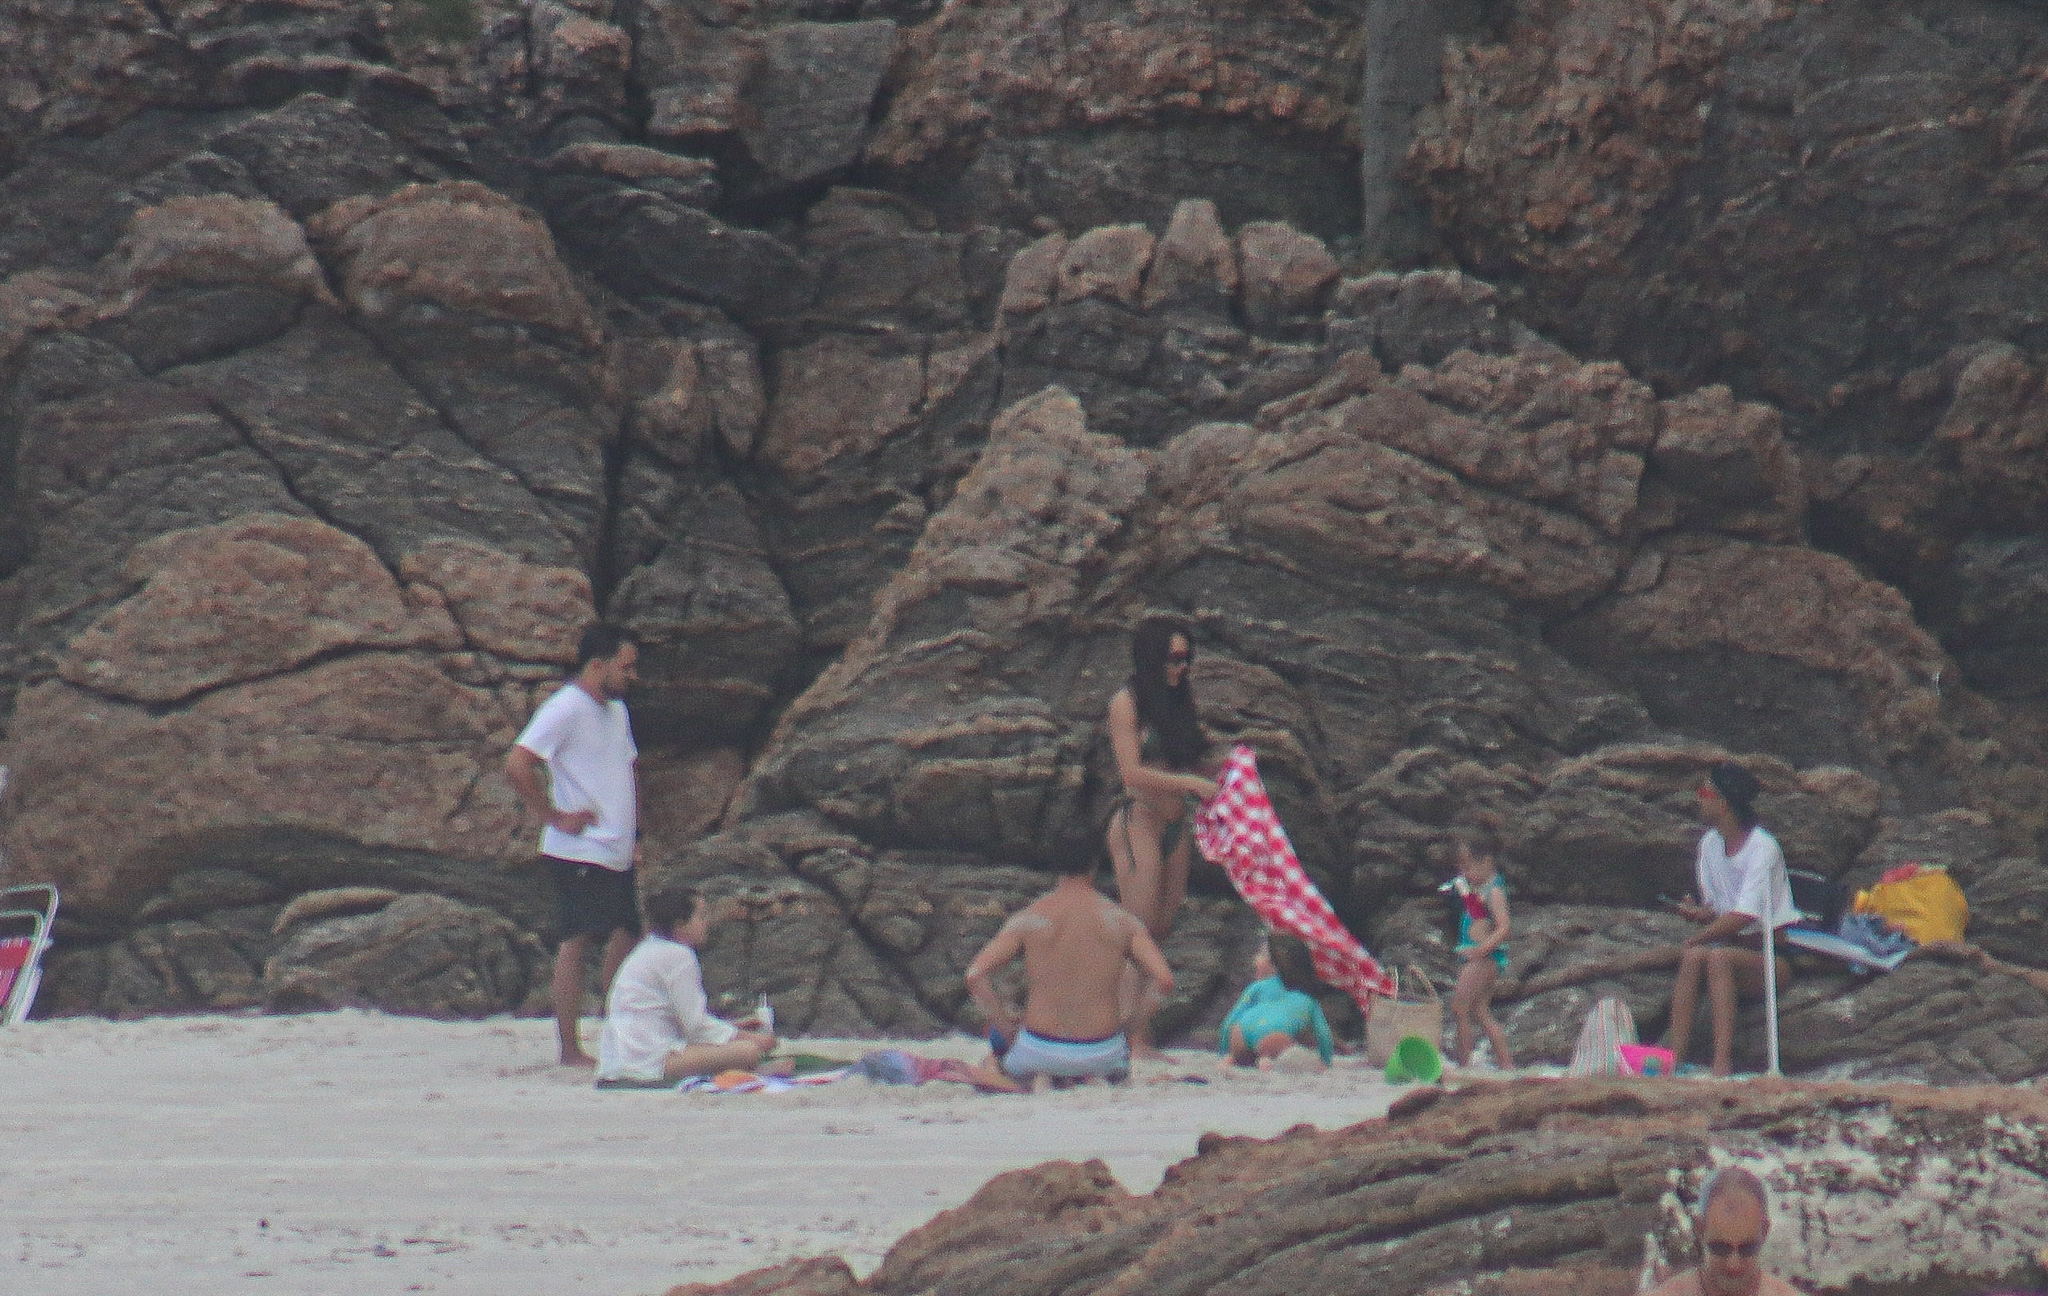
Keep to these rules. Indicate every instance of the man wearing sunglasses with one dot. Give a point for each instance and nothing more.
(1731, 1226)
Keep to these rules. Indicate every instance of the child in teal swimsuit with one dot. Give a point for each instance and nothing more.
(1276, 1011)
(1483, 943)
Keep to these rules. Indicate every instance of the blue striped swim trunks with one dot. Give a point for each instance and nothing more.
(1049, 1055)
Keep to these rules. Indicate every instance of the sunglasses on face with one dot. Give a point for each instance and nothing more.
(1722, 1250)
(1178, 658)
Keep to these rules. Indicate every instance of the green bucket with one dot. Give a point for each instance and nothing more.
(1415, 1059)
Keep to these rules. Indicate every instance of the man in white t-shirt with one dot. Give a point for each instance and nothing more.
(656, 1025)
(1741, 871)
(591, 807)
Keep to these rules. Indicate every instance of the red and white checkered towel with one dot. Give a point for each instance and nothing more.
(1239, 831)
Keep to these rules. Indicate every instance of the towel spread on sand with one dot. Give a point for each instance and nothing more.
(732, 1082)
(894, 1066)
(1239, 831)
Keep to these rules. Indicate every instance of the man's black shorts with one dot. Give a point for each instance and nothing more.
(591, 900)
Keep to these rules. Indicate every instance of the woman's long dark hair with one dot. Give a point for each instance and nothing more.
(1168, 712)
(1739, 788)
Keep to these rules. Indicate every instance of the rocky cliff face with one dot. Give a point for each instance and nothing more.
(1532, 1189)
(879, 363)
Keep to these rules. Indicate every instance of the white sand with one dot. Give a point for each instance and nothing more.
(362, 1154)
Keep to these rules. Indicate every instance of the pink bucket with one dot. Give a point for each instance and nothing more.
(1648, 1060)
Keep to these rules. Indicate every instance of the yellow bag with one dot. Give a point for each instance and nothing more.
(1927, 904)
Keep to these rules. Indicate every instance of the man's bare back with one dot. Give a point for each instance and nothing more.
(1075, 942)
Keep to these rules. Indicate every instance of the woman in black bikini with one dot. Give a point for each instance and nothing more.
(1160, 750)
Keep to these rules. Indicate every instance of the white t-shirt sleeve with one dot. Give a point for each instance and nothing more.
(1763, 877)
(545, 733)
(686, 992)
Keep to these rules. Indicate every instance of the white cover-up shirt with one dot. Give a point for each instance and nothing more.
(656, 1006)
(589, 750)
(1740, 882)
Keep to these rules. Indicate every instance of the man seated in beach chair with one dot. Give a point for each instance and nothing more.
(1075, 942)
(656, 1025)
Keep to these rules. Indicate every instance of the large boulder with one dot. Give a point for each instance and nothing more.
(1091, 113)
(424, 955)
(1539, 1187)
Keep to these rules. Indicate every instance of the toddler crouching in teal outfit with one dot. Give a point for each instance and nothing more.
(1276, 1011)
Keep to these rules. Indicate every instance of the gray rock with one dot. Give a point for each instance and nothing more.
(424, 955)
(640, 243)
(807, 109)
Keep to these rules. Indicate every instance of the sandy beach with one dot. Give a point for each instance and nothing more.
(354, 1152)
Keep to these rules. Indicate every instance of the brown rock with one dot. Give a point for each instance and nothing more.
(634, 162)
(579, 62)
(1032, 279)
(683, 796)
(1514, 1188)
(1285, 272)
(1335, 483)
(1576, 432)
(377, 748)
(501, 604)
(715, 625)
(1734, 464)
(1993, 432)
(1090, 117)
(1108, 261)
(424, 955)
(331, 903)
(219, 240)
(38, 301)
(460, 247)
(241, 601)
(1794, 605)
(826, 1276)
(989, 767)
(840, 396)
(695, 71)
(1196, 263)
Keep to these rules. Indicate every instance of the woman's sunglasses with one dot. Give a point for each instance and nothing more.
(1179, 658)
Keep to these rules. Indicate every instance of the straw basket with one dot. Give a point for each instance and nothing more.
(1393, 1018)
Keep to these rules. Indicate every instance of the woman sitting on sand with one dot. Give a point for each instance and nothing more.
(1161, 752)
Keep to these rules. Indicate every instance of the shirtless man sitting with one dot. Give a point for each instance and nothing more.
(1731, 1226)
(1075, 942)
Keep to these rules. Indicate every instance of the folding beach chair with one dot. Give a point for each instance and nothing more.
(26, 913)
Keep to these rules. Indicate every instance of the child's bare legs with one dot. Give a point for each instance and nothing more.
(1471, 999)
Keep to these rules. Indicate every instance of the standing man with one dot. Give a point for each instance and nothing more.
(591, 808)
(1731, 1226)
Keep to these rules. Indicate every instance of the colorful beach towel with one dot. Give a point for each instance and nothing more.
(733, 1082)
(894, 1066)
(1239, 831)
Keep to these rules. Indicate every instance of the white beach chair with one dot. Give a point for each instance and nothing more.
(26, 913)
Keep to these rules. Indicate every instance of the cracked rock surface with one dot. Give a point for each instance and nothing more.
(879, 362)
(1535, 1187)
